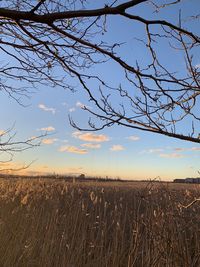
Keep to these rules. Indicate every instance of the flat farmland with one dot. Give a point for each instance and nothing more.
(56, 223)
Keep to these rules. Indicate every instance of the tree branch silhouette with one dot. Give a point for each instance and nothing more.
(41, 37)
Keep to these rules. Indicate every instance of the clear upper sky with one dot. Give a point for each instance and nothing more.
(113, 152)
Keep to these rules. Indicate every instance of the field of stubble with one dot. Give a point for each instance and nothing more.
(49, 223)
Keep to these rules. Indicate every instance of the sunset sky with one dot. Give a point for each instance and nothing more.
(115, 151)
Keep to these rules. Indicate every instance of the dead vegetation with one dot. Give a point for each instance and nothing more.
(57, 223)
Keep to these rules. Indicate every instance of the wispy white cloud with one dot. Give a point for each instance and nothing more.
(117, 148)
(171, 155)
(73, 149)
(133, 138)
(91, 137)
(183, 149)
(49, 141)
(152, 151)
(47, 129)
(195, 149)
(179, 149)
(72, 109)
(90, 145)
(48, 109)
(79, 104)
(169, 152)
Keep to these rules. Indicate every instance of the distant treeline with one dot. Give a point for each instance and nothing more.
(188, 180)
(69, 178)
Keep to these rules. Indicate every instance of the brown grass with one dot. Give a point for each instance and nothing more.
(49, 223)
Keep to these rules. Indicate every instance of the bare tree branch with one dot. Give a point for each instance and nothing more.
(9, 146)
(43, 37)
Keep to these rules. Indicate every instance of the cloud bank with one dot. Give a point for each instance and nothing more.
(90, 145)
(48, 109)
(47, 129)
(49, 141)
(133, 138)
(73, 149)
(117, 148)
(90, 137)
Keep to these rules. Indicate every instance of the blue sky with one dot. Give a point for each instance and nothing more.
(113, 152)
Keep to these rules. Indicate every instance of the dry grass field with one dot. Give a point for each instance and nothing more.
(54, 223)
